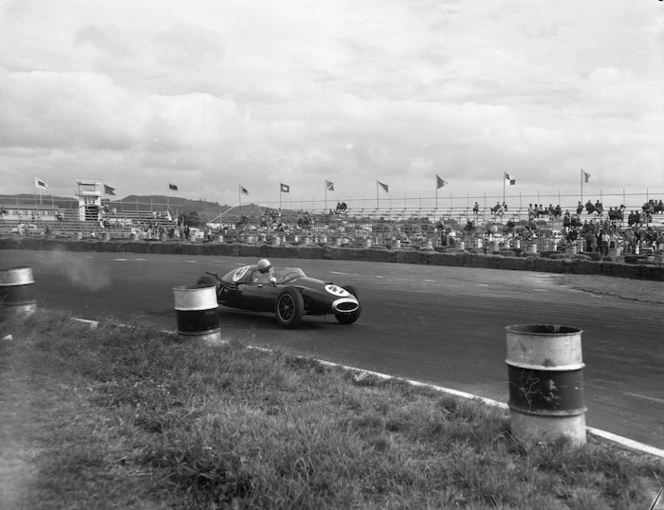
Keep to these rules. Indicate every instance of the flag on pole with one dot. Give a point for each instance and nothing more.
(285, 188)
(385, 187)
(510, 178)
(172, 186)
(586, 176)
(40, 184)
(329, 186)
(440, 182)
(108, 190)
(243, 190)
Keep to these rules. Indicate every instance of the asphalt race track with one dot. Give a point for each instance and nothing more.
(440, 325)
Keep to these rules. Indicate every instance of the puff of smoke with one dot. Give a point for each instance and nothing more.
(80, 272)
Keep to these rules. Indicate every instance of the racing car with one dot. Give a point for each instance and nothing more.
(287, 292)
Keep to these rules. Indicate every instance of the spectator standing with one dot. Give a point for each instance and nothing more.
(567, 222)
(604, 240)
(451, 239)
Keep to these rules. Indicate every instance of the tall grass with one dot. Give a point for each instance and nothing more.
(130, 417)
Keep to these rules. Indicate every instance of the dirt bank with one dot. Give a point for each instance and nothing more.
(639, 290)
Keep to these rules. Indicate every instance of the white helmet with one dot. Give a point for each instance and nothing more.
(264, 265)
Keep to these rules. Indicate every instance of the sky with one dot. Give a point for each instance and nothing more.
(210, 95)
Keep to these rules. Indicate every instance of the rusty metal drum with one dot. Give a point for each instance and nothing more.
(545, 372)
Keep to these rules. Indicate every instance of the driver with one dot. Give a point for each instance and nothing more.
(265, 271)
(265, 266)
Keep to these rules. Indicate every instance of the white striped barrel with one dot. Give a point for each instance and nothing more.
(17, 291)
(197, 312)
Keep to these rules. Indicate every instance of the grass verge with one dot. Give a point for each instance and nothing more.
(130, 417)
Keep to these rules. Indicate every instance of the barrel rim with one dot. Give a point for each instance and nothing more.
(549, 413)
(570, 367)
(15, 268)
(193, 288)
(206, 332)
(16, 277)
(547, 330)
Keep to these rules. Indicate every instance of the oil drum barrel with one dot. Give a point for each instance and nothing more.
(17, 291)
(545, 372)
(531, 247)
(197, 312)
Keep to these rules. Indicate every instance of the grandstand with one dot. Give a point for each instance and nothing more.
(91, 215)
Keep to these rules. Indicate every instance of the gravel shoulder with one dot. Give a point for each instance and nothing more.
(638, 290)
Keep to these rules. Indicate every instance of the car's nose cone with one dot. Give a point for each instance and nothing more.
(345, 305)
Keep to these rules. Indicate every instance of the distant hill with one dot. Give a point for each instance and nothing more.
(180, 206)
(207, 211)
(163, 199)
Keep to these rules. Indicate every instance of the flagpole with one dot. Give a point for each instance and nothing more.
(582, 185)
(377, 199)
(325, 196)
(436, 194)
(504, 179)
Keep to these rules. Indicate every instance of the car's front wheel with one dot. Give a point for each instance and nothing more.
(289, 307)
(350, 318)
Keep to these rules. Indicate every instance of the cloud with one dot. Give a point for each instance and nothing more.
(106, 41)
(211, 94)
(43, 109)
(188, 46)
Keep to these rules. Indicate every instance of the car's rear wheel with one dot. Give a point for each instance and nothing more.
(207, 280)
(349, 318)
(289, 307)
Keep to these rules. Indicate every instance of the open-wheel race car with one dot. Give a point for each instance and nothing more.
(287, 292)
